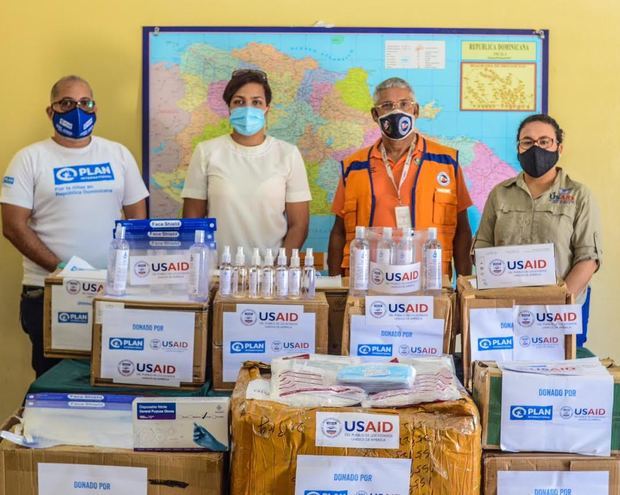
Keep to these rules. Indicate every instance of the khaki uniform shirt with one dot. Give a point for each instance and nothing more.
(565, 215)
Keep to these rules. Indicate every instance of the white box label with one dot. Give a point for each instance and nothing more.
(65, 479)
(152, 347)
(381, 343)
(344, 475)
(557, 413)
(564, 319)
(263, 331)
(357, 430)
(553, 483)
(157, 270)
(394, 279)
(490, 334)
(72, 313)
(398, 310)
(515, 266)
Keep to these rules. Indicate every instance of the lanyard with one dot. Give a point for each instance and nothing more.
(390, 173)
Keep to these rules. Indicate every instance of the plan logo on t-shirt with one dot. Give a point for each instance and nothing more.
(83, 173)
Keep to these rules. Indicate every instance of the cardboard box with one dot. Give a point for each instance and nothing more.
(442, 439)
(201, 337)
(67, 315)
(222, 305)
(487, 393)
(444, 305)
(471, 298)
(494, 462)
(201, 473)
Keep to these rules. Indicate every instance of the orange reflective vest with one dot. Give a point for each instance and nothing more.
(433, 195)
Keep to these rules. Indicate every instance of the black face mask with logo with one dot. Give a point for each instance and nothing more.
(536, 161)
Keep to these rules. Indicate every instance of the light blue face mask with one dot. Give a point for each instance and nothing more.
(247, 120)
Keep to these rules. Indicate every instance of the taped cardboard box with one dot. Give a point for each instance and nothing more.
(443, 308)
(336, 300)
(168, 473)
(442, 439)
(487, 393)
(471, 298)
(223, 305)
(494, 462)
(201, 338)
(67, 315)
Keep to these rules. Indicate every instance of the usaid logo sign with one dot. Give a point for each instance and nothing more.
(83, 173)
(531, 413)
(525, 318)
(331, 427)
(247, 347)
(142, 269)
(378, 309)
(248, 317)
(497, 267)
(377, 350)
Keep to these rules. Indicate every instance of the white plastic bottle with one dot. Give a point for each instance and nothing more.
(225, 273)
(294, 276)
(404, 252)
(360, 263)
(268, 276)
(308, 278)
(282, 275)
(118, 264)
(432, 261)
(385, 247)
(239, 274)
(199, 268)
(254, 275)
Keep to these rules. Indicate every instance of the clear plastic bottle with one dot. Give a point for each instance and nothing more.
(294, 276)
(199, 268)
(385, 247)
(225, 273)
(404, 252)
(308, 278)
(118, 264)
(267, 282)
(254, 275)
(360, 263)
(282, 275)
(432, 261)
(239, 274)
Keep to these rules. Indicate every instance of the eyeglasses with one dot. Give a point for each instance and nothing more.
(390, 106)
(543, 142)
(244, 72)
(68, 104)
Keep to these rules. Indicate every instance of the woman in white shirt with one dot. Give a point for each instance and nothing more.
(253, 184)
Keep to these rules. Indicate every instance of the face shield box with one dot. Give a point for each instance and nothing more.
(68, 313)
(181, 423)
(470, 298)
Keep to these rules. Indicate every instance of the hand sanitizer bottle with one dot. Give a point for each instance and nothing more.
(432, 261)
(199, 269)
(360, 263)
(118, 264)
(385, 247)
(308, 280)
(239, 274)
(226, 273)
(267, 283)
(294, 276)
(282, 275)
(254, 275)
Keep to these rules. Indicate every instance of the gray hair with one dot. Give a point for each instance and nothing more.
(67, 79)
(392, 82)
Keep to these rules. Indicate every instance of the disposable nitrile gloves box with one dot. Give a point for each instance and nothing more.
(181, 423)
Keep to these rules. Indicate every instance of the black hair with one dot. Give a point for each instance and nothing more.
(243, 77)
(545, 119)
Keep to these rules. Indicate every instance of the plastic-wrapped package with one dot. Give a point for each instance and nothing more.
(435, 381)
(310, 381)
(378, 377)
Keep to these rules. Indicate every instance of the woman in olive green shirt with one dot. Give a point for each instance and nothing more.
(544, 205)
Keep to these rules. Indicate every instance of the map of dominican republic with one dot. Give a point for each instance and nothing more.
(473, 91)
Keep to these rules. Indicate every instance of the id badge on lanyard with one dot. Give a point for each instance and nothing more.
(402, 212)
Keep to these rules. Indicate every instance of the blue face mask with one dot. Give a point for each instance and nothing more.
(75, 124)
(247, 120)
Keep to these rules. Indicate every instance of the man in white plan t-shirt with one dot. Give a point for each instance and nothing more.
(61, 196)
